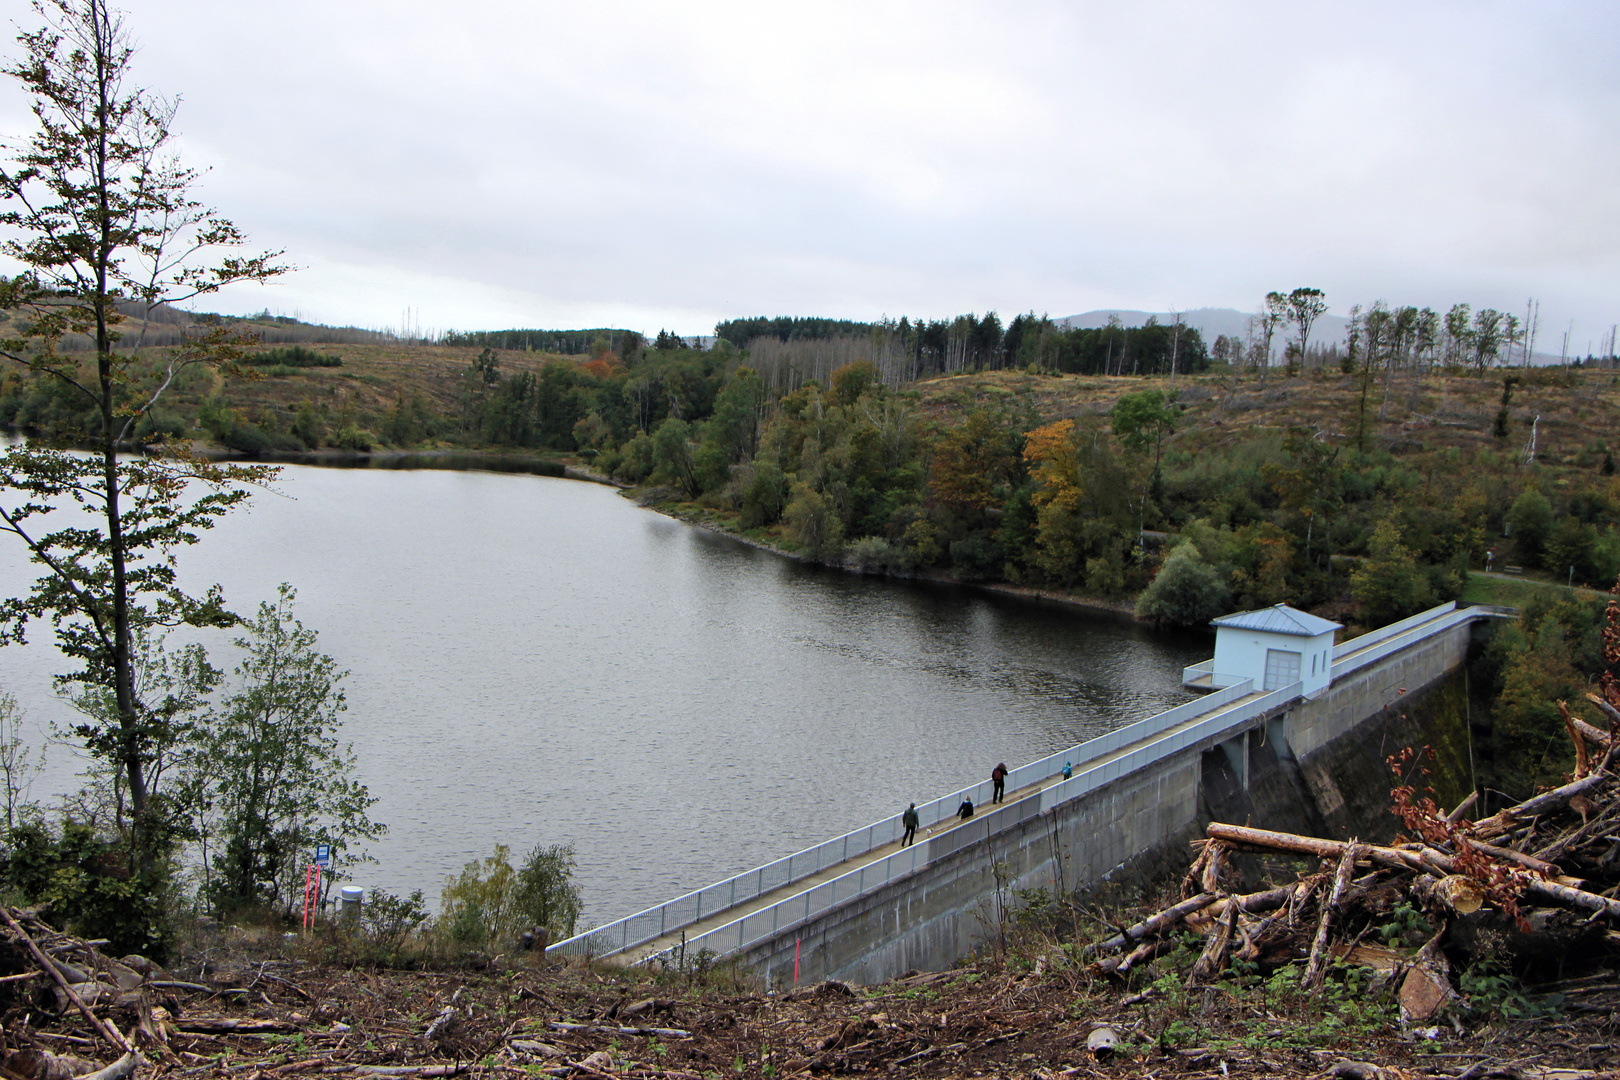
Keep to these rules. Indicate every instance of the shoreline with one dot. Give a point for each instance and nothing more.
(454, 460)
(1115, 610)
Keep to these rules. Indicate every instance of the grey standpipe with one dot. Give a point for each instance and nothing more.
(352, 896)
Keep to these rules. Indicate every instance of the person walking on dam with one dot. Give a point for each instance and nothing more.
(910, 820)
(965, 811)
(998, 777)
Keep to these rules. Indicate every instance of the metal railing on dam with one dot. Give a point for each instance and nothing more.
(1373, 646)
(692, 907)
(1097, 762)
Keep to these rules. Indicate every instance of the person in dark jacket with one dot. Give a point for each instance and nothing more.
(910, 820)
(998, 777)
(965, 811)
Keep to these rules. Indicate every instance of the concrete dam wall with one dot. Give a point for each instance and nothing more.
(1307, 763)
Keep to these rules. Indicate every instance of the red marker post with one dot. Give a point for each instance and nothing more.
(312, 883)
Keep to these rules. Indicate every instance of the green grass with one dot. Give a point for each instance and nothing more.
(1514, 592)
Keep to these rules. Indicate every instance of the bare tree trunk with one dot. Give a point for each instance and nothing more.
(1175, 348)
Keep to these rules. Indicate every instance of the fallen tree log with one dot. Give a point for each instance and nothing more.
(232, 1025)
(1213, 959)
(1266, 840)
(1504, 820)
(1316, 967)
(609, 1029)
(1596, 736)
(103, 1028)
(117, 1070)
(1154, 923)
(1580, 898)
(1427, 860)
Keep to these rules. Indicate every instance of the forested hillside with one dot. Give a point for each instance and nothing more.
(1128, 465)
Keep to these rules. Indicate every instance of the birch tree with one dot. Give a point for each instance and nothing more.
(99, 213)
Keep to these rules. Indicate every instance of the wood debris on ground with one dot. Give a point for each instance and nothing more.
(1532, 888)
(1059, 1009)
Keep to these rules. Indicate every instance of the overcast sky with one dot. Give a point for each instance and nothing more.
(486, 164)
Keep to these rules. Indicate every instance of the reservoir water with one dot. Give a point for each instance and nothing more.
(536, 660)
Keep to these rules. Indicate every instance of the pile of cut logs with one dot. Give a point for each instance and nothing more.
(1536, 880)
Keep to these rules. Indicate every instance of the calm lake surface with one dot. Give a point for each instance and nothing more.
(536, 660)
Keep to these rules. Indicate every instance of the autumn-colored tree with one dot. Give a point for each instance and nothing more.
(605, 366)
(1264, 555)
(1054, 465)
(970, 462)
(852, 380)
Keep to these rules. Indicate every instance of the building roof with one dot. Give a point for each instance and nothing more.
(1278, 619)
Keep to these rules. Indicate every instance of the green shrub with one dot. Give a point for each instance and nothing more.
(490, 903)
(295, 357)
(764, 494)
(353, 438)
(247, 439)
(874, 554)
(1493, 991)
(1531, 520)
(389, 920)
(976, 558)
(1390, 583)
(636, 459)
(813, 523)
(1187, 592)
(160, 423)
(216, 418)
(87, 884)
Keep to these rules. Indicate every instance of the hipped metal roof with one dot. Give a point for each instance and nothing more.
(1278, 619)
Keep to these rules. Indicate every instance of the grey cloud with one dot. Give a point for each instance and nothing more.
(491, 163)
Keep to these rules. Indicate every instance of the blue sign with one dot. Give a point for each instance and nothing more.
(323, 855)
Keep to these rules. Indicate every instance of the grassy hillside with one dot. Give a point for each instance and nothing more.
(1579, 410)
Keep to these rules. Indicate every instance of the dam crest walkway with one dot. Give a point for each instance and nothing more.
(768, 901)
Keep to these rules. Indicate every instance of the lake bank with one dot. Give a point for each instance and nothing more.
(455, 460)
(1090, 606)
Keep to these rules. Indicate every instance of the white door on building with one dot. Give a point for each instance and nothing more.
(1282, 668)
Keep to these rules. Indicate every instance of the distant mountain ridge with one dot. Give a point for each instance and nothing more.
(1211, 323)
